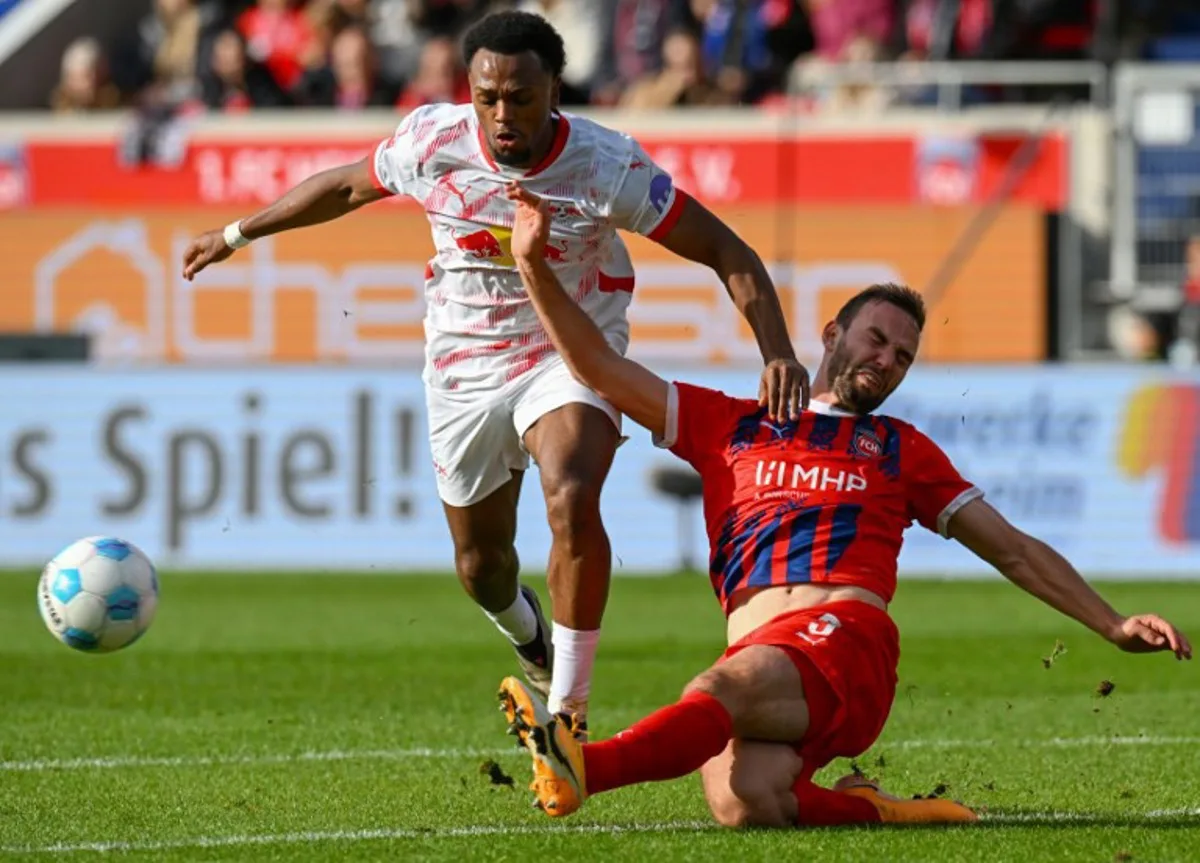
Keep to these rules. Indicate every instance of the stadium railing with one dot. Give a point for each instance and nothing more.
(1156, 173)
(953, 85)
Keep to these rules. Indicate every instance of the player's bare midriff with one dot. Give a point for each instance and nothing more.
(755, 606)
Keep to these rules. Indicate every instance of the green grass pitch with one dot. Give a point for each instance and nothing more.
(347, 718)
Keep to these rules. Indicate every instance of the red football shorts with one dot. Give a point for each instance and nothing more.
(847, 653)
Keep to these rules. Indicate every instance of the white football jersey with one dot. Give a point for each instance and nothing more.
(481, 329)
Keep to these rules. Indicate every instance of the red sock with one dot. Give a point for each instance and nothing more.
(820, 807)
(670, 742)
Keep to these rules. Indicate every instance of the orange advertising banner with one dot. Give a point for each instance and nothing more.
(352, 290)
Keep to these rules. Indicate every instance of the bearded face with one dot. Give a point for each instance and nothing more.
(860, 387)
(871, 357)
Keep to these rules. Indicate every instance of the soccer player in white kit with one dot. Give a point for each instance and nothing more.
(496, 391)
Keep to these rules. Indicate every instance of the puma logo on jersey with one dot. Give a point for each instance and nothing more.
(778, 432)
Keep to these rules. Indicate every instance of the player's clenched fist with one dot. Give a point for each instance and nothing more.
(1147, 633)
(208, 248)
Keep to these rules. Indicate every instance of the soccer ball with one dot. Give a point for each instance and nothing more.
(98, 595)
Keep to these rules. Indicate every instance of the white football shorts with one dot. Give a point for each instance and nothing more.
(476, 437)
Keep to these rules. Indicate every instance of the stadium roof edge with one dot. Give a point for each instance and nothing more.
(25, 21)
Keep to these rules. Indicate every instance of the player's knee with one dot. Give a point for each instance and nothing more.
(730, 812)
(724, 687)
(480, 565)
(572, 507)
(755, 809)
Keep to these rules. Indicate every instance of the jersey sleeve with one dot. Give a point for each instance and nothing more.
(394, 167)
(699, 423)
(646, 201)
(936, 489)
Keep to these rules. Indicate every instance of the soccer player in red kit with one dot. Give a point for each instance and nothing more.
(806, 512)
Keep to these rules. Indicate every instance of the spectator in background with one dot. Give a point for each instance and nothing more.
(845, 32)
(738, 46)
(350, 79)
(232, 82)
(446, 17)
(1040, 30)
(440, 77)
(175, 52)
(954, 29)
(160, 61)
(1185, 349)
(281, 37)
(942, 30)
(579, 23)
(631, 37)
(330, 17)
(682, 80)
(850, 27)
(396, 38)
(83, 83)
(1134, 337)
(399, 30)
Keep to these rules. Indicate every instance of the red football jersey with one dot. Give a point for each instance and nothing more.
(824, 499)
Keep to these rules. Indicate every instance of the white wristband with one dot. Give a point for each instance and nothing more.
(234, 238)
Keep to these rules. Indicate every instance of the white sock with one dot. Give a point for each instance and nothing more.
(574, 655)
(518, 622)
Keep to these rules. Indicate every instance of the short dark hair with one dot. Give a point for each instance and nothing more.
(514, 32)
(901, 296)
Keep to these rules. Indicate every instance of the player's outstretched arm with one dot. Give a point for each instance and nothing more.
(628, 386)
(1037, 568)
(702, 237)
(321, 198)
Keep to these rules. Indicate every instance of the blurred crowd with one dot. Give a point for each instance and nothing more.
(234, 55)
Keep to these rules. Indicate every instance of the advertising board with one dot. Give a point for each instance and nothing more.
(352, 290)
(329, 469)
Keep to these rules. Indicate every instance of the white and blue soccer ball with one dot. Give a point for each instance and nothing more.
(98, 594)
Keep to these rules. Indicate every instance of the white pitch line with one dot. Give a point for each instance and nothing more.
(1086, 818)
(120, 761)
(132, 761)
(310, 837)
(1046, 743)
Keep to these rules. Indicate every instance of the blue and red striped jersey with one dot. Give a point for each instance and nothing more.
(824, 499)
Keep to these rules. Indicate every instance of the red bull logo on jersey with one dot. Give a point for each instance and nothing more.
(789, 476)
(486, 244)
(495, 245)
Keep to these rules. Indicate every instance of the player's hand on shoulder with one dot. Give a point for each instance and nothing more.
(208, 248)
(531, 229)
(783, 389)
(1149, 633)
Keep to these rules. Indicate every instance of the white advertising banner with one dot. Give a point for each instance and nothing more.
(329, 469)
